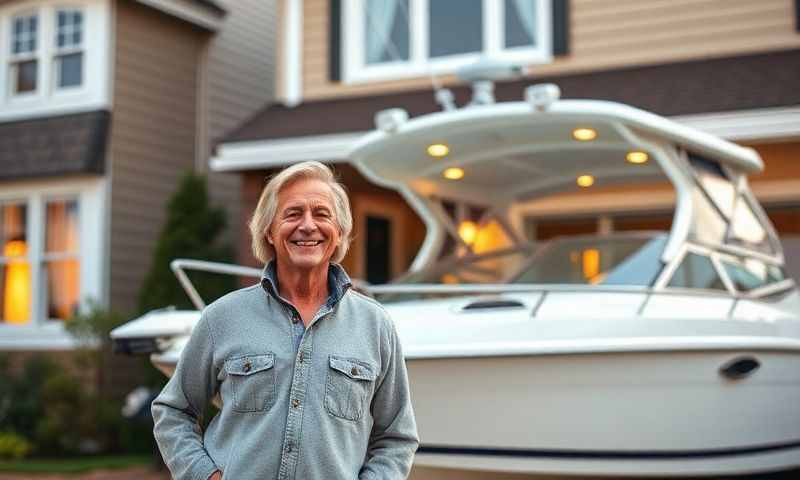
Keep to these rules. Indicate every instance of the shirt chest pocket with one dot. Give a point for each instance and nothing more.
(252, 380)
(348, 387)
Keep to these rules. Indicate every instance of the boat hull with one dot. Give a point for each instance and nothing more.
(648, 413)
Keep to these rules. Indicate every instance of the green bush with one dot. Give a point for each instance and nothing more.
(191, 230)
(22, 403)
(13, 446)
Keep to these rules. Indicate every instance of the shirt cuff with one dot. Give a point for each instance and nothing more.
(203, 469)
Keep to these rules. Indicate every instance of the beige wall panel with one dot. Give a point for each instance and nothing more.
(604, 35)
(153, 135)
(239, 81)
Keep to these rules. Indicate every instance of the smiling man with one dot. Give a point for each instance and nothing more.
(310, 373)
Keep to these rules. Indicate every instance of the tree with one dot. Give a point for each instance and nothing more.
(191, 230)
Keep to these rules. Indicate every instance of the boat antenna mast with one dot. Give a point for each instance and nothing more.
(481, 74)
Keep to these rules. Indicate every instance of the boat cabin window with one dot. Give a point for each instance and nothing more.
(715, 183)
(749, 273)
(746, 229)
(709, 227)
(627, 259)
(724, 215)
(594, 260)
(696, 271)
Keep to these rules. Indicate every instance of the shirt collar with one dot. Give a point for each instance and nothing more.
(338, 282)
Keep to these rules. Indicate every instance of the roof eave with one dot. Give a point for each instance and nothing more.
(204, 14)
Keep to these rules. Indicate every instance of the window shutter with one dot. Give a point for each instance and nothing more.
(561, 27)
(335, 41)
(797, 15)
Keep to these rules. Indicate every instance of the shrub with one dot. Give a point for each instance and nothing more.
(13, 446)
(190, 231)
(22, 404)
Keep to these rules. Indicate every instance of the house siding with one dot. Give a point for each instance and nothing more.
(604, 35)
(153, 136)
(239, 81)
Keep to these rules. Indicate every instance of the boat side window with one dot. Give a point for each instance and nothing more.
(708, 225)
(724, 214)
(696, 271)
(745, 229)
(715, 182)
(749, 273)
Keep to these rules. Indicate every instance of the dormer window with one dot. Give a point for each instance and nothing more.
(402, 38)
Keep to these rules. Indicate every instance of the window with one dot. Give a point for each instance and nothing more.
(723, 214)
(24, 64)
(696, 271)
(749, 273)
(52, 258)
(15, 274)
(66, 51)
(54, 57)
(68, 54)
(55, 291)
(60, 262)
(395, 38)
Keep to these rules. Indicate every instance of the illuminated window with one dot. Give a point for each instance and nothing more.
(28, 298)
(15, 278)
(60, 260)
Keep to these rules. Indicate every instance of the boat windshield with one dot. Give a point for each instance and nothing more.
(589, 260)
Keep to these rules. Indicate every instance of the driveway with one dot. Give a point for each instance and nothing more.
(137, 473)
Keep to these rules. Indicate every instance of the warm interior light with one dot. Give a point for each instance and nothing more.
(585, 181)
(468, 231)
(438, 150)
(584, 134)
(17, 291)
(637, 157)
(449, 279)
(591, 263)
(453, 173)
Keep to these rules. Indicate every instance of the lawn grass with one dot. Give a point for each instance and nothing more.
(74, 464)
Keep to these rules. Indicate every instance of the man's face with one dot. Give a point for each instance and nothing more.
(304, 231)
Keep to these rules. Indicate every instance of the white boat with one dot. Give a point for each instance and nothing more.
(648, 353)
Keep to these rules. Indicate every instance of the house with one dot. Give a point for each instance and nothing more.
(104, 104)
(727, 67)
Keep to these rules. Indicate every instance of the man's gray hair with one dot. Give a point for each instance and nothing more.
(268, 204)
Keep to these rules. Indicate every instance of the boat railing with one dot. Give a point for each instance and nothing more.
(179, 267)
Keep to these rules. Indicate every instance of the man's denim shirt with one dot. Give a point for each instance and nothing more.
(334, 404)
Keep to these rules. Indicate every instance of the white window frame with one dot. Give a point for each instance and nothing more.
(60, 52)
(357, 71)
(14, 59)
(42, 332)
(45, 257)
(48, 99)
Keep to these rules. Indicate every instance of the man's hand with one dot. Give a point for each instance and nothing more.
(216, 476)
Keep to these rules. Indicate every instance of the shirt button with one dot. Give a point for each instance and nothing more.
(289, 448)
(247, 367)
(354, 371)
(295, 319)
(295, 403)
